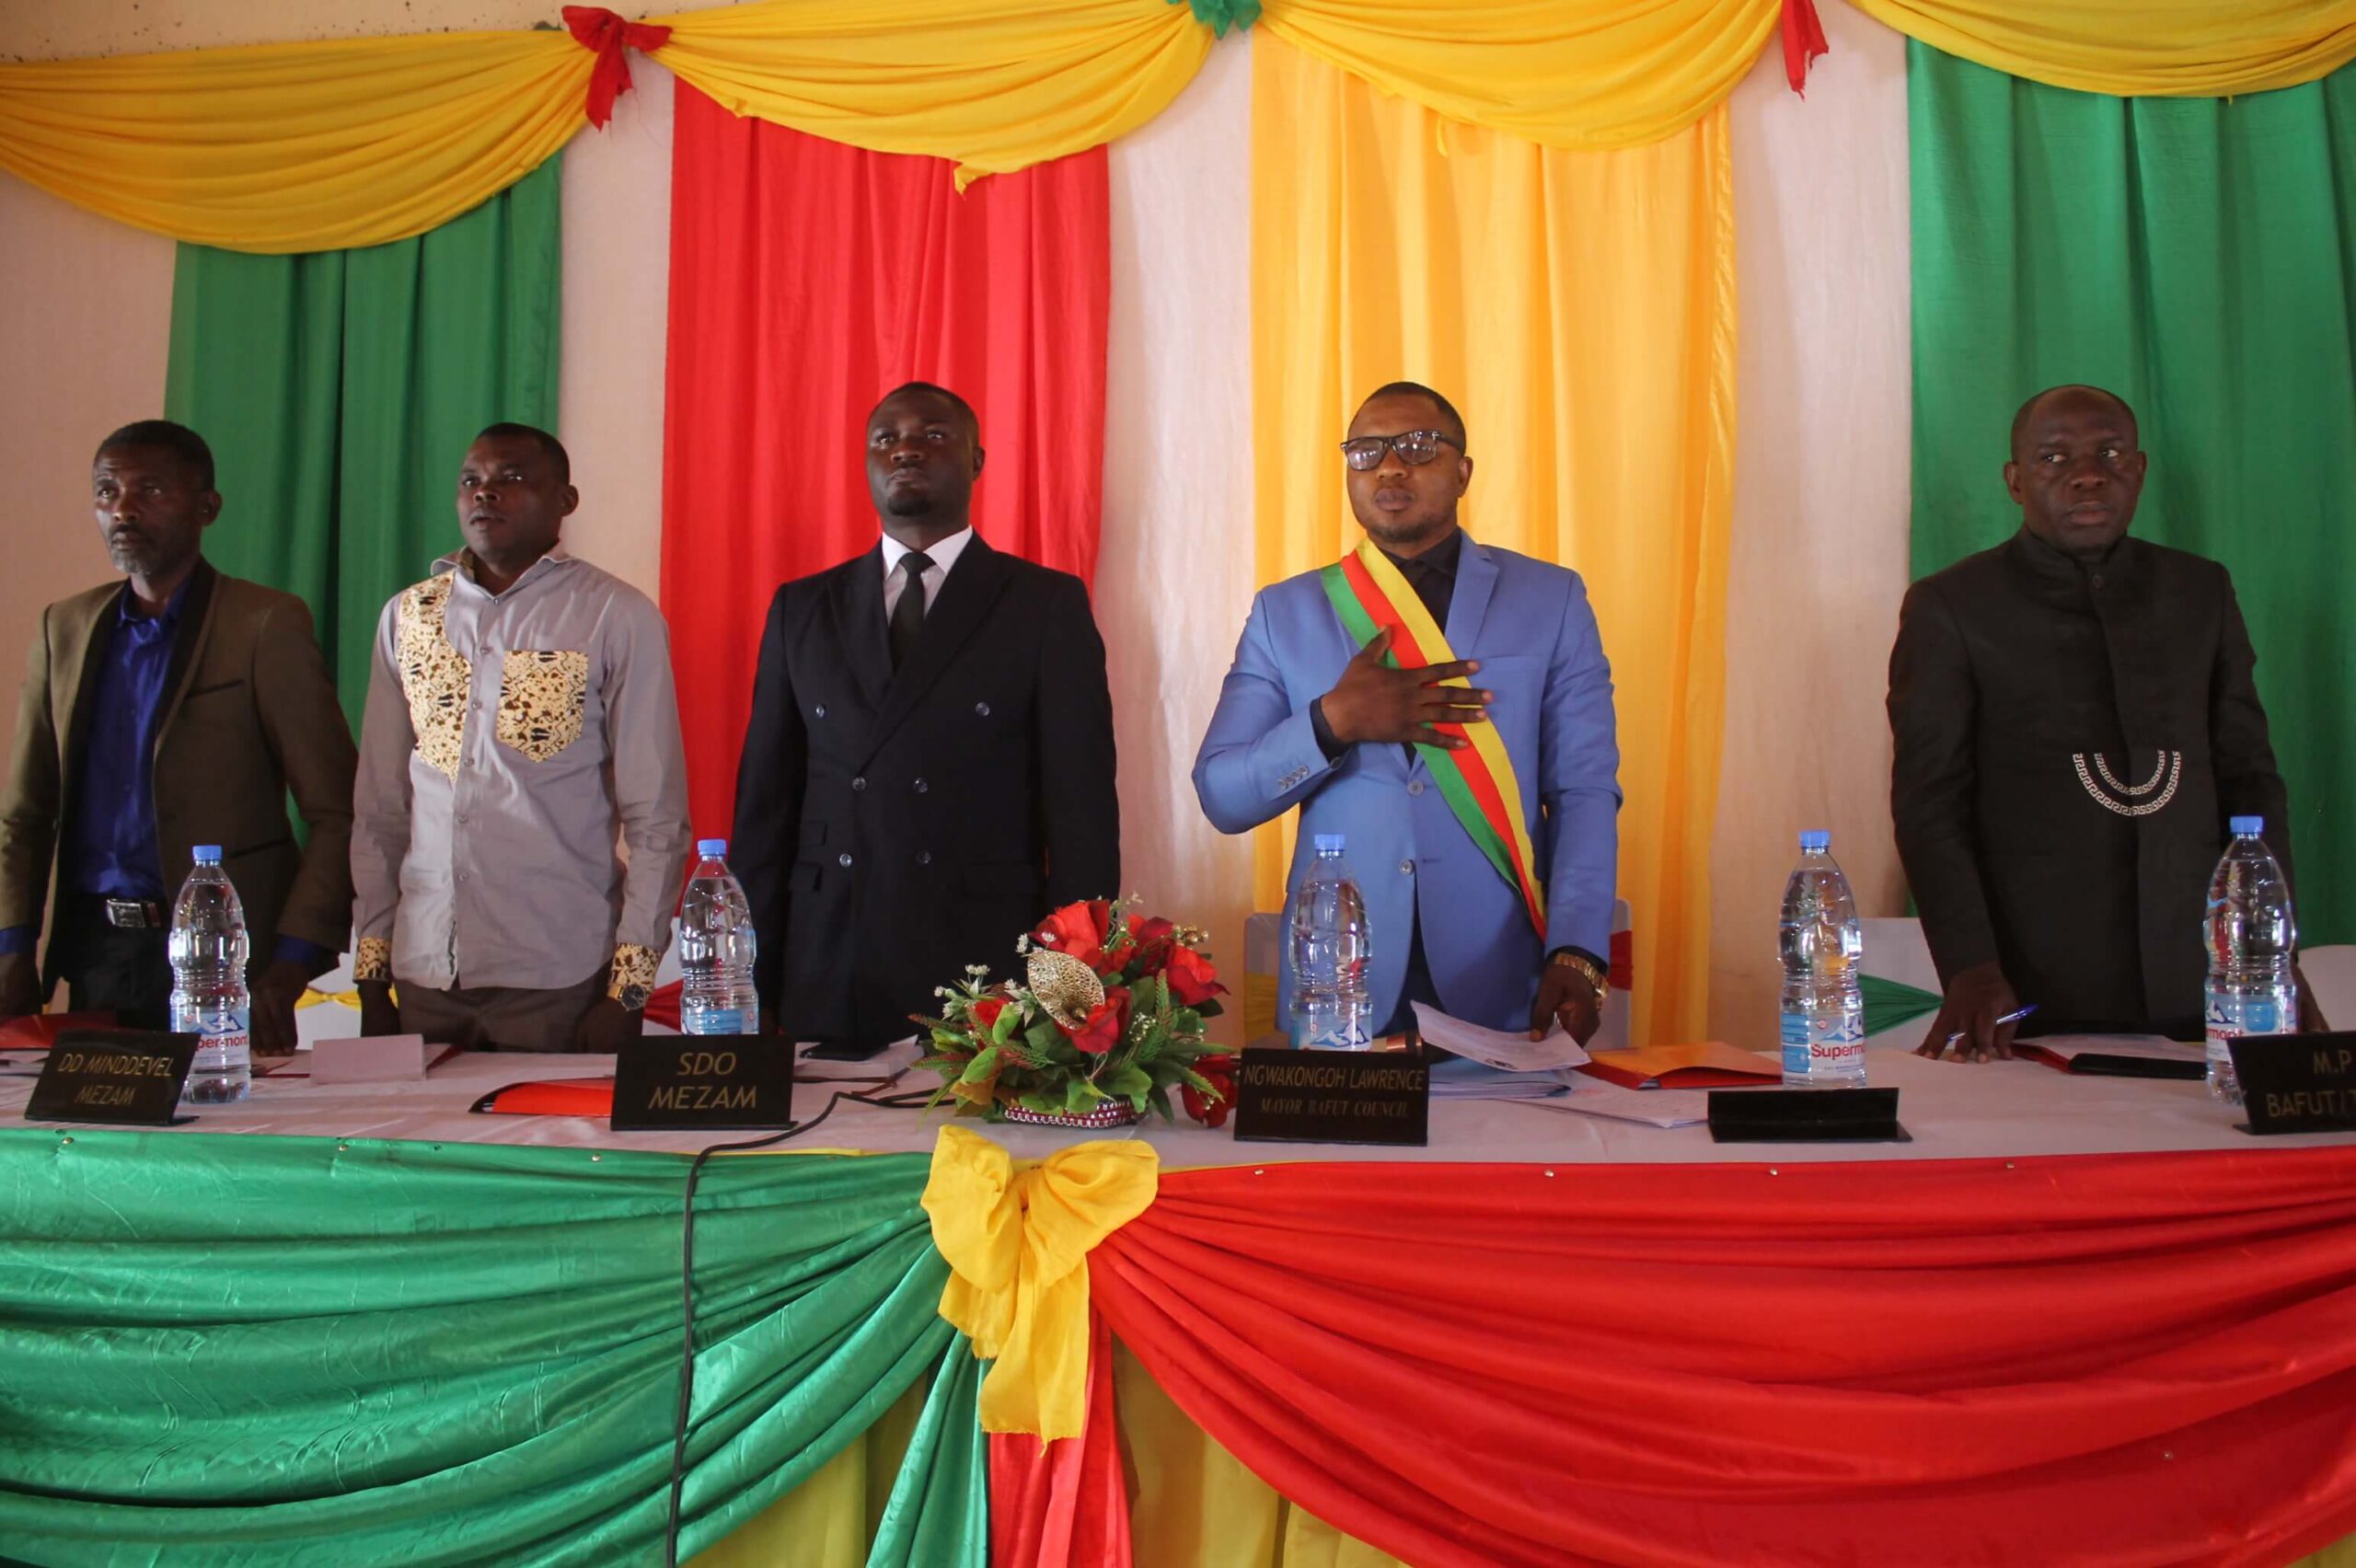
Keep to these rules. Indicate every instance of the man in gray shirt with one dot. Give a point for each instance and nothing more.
(521, 717)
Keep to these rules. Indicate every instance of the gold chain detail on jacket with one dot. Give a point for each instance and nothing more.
(436, 678)
(2171, 764)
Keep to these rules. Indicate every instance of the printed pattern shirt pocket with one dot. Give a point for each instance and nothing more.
(542, 696)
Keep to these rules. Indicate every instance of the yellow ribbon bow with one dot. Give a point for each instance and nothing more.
(1017, 1239)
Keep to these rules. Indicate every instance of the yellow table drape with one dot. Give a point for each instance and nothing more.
(1580, 307)
(1580, 78)
(2170, 48)
(295, 146)
(1017, 1240)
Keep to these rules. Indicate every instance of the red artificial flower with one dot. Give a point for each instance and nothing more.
(985, 1013)
(1104, 1028)
(1079, 929)
(1212, 1112)
(1152, 941)
(1192, 979)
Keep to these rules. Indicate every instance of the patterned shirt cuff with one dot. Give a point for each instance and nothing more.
(19, 938)
(372, 959)
(633, 966)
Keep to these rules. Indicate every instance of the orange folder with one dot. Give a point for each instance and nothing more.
(38, 1031)
(1713, 1064)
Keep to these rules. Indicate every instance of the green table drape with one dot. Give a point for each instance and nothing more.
(340, 388)
(2193, 255)
(224, 1349)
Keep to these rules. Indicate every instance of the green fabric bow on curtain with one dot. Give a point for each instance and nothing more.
(380, 1352)
(1221, 14)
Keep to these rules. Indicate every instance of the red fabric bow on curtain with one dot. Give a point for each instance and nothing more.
(1803, 41)
(606, 35)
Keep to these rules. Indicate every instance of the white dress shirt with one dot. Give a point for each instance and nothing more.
(943, 556)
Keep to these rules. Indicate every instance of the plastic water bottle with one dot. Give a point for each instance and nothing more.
(1824, 1011)
(716, 946)
(208, 950)
(2252, 938)
(1329, 952)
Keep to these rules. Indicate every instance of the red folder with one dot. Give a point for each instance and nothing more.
(1713, 1064)
(38, 1031)
(551, 1097)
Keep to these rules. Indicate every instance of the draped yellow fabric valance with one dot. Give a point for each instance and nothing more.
(313, 146)
(1580, 77)
(295, 146)
(2157, 49)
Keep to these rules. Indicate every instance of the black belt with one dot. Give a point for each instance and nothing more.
(126, 914)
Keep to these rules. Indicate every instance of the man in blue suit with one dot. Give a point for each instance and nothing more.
(1313, 715)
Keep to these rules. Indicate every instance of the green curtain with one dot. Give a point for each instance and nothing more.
(2198, 256)
(275, 1350)
(338, 390)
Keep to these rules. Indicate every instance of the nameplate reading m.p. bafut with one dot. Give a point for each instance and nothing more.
(718, 1082)
(129, 1078)
(1360, 1097)
(2297, 1083)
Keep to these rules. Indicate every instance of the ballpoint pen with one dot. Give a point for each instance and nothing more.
(2013, 1017)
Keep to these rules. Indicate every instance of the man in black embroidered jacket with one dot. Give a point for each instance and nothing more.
(2076, 719)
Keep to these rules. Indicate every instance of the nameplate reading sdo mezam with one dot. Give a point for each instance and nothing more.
(1359, 1097)
(2297, 1083)
(129, 1078)
(704, 1080)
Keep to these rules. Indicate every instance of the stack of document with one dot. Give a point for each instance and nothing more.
(1496, 1063)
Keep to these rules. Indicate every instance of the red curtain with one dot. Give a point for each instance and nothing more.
(809, 278)
(2144, 1358)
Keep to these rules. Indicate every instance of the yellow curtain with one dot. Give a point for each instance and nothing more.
(295, 146)
(1584, 77)
(1580, 307)
(2166, 48)
(996, 85)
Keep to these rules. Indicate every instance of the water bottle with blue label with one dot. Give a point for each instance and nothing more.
(716, 948)
(2252, 939)
(208, 950)
(1822, 942)
(1330, 1007)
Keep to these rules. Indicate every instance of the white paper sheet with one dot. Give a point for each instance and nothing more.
(1467, 1079)
(1652, 1107)
(1513, 1051)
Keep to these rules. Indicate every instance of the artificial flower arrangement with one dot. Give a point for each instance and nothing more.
(1108, 1018)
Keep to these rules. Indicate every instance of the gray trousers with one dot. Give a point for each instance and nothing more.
(498, 1018)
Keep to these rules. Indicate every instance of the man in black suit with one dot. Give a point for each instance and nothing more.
(2076, 719)
(928, 767)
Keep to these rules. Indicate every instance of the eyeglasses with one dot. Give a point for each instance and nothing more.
(1416, 448)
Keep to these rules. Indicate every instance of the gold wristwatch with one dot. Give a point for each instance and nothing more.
(1587, 970)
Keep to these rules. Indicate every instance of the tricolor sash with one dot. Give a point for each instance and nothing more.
(1369, 593)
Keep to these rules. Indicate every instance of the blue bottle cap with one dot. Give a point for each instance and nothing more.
(1815, 841)
(207, 854)
(1328, 841)
(713, 848)
(2252, 827)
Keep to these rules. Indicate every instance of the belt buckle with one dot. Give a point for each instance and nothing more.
(130, 913)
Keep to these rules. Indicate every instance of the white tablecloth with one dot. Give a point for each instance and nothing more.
(1952, 1110)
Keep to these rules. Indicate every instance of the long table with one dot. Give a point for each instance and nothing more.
(2074, 1319)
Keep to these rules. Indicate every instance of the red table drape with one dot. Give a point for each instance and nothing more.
(2135, 1359)
(807, 279)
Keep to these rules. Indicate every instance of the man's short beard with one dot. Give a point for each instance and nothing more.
(1389, 533)
(901, 504)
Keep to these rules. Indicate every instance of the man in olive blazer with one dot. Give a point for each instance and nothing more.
(174, 709)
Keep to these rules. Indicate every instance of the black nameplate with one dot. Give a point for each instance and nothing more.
(1358, 1097)
(1806, 1115)
(704, 1080)
(131, 1078)
(2297, 1083)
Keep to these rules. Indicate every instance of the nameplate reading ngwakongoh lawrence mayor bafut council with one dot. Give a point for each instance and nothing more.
(718, 1082)
(131, 1078)
(2297, 1083)
(1358, 1097)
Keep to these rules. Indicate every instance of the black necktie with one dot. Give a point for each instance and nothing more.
(907, 615)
